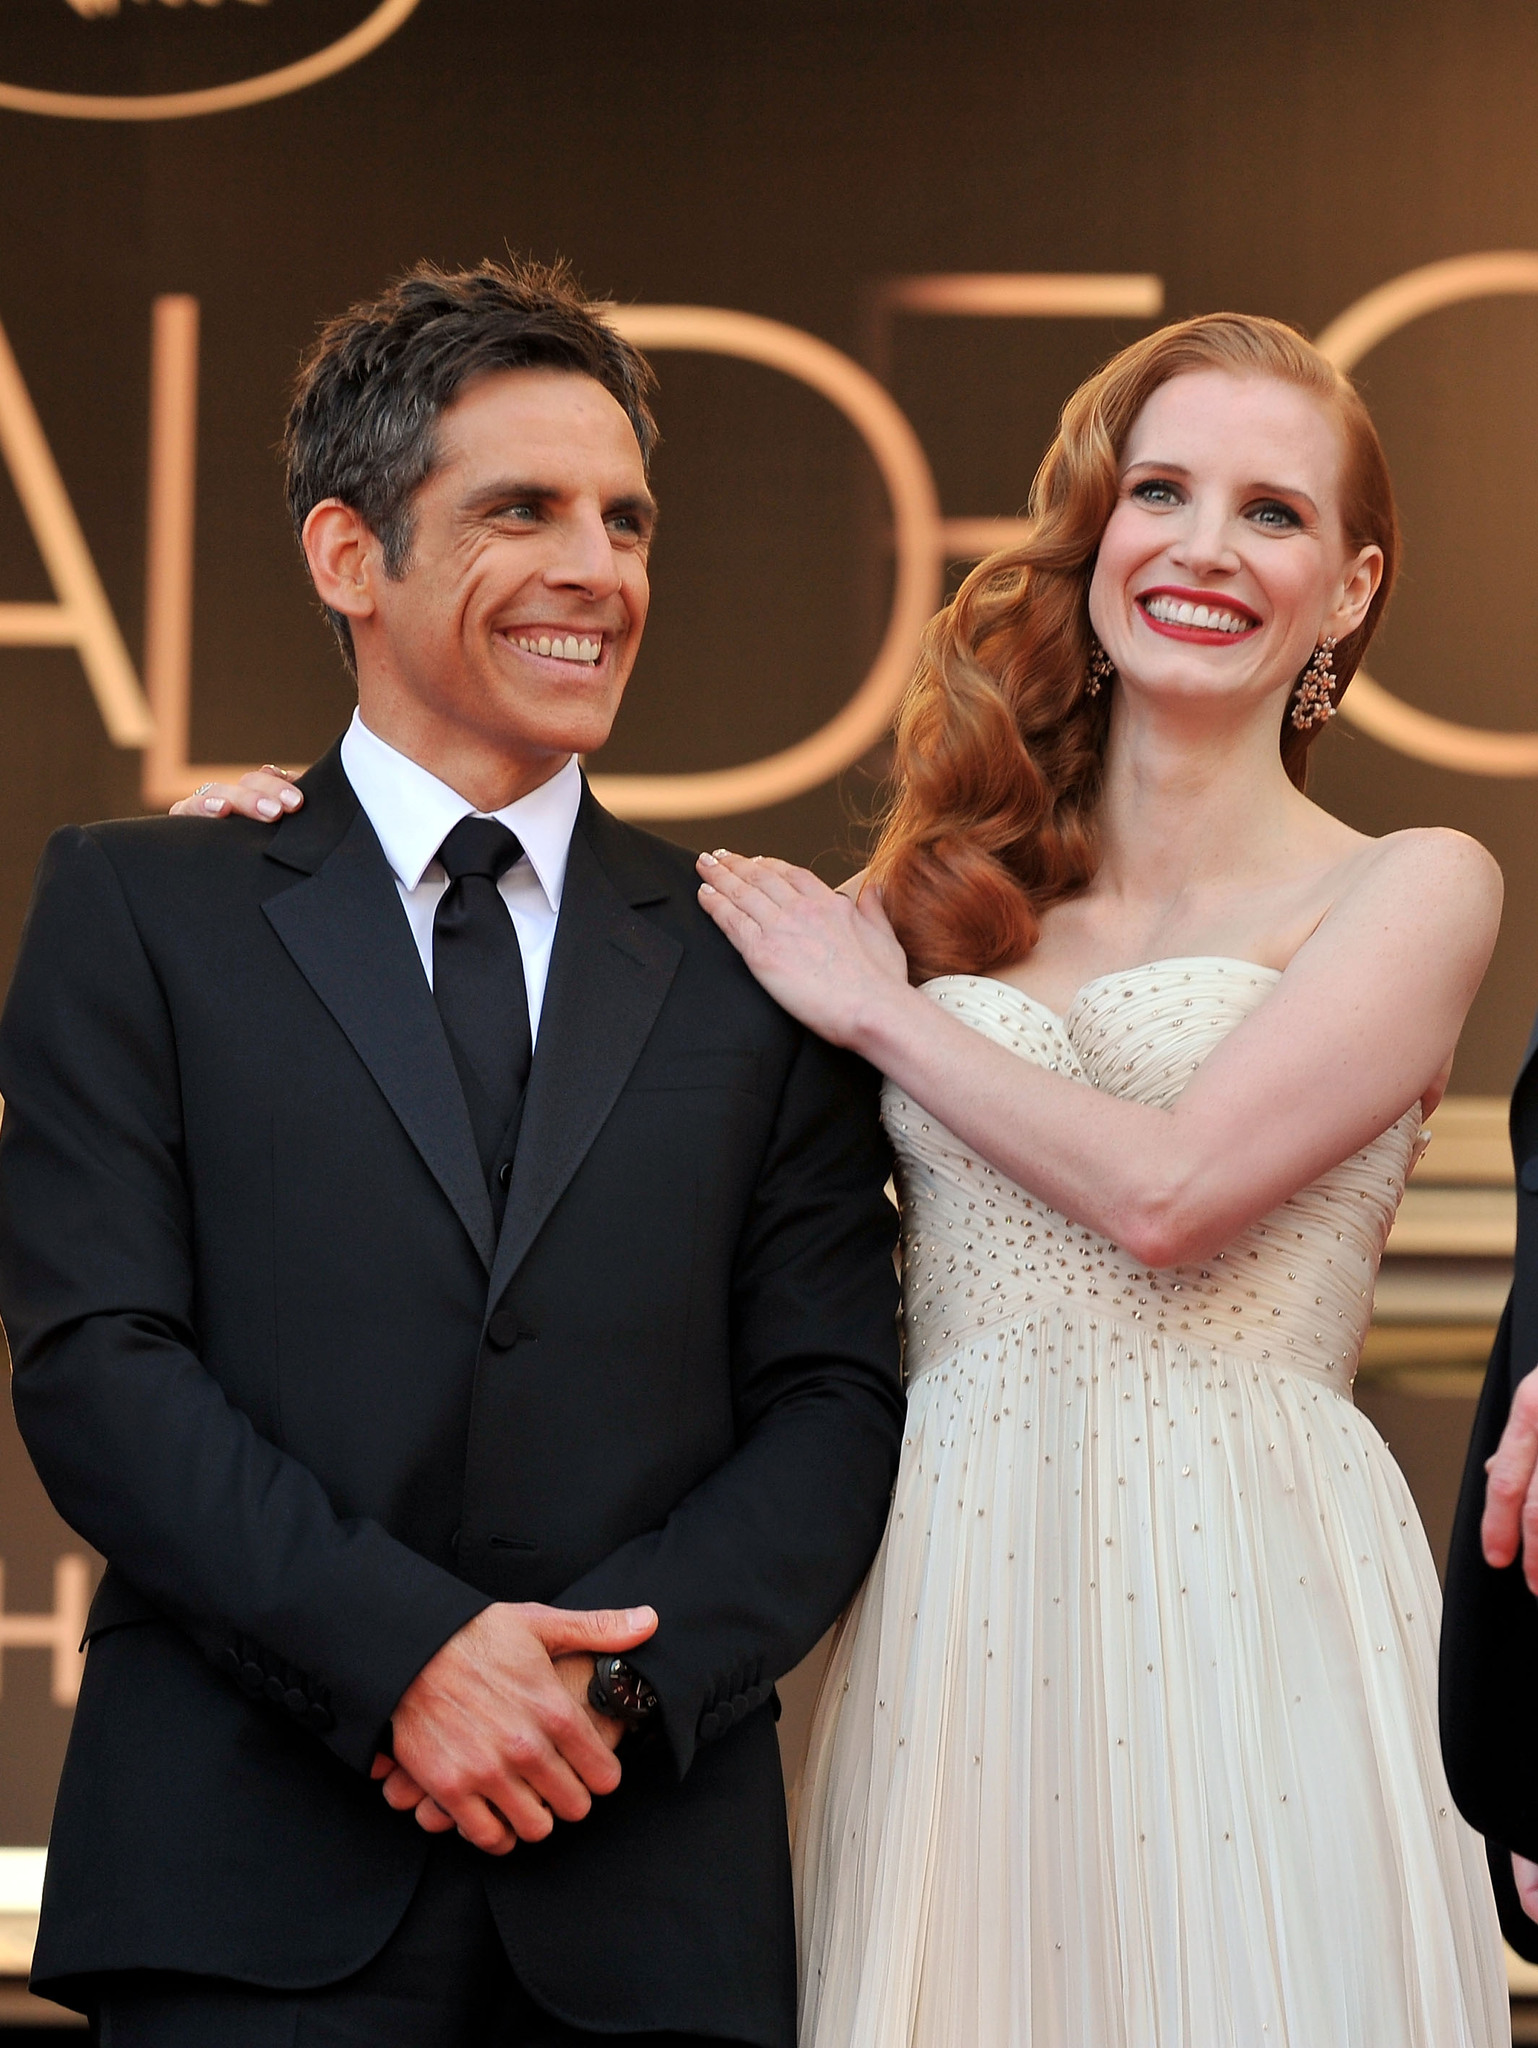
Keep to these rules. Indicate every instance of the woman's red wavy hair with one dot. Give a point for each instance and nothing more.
(999, 747)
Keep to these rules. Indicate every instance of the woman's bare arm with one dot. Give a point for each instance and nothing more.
(1361, 1026)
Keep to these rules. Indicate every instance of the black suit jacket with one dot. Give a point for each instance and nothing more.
(272, 1360)
(1489, 1674)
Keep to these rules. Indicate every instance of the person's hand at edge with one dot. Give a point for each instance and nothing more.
(1525, 1875)
(1510, 1523)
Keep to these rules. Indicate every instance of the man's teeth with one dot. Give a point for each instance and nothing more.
(568, 649)
(1179, 611)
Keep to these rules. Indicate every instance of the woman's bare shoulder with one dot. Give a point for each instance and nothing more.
(1438, 853)
(1428, 879)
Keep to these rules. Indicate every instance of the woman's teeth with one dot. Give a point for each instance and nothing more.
(1211, 618)
(568, 649)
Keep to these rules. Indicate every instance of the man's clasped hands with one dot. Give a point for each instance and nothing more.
(495, 1735)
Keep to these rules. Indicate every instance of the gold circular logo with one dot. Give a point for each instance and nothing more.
(1345, 341)
(376, 28)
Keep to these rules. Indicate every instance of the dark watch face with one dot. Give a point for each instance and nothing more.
(616, 1689)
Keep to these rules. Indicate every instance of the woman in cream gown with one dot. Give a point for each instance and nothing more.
(1130, 1739)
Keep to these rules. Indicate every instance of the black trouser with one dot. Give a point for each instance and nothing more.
(442, 1980)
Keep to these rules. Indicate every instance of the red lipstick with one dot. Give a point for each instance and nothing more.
(1210, 601)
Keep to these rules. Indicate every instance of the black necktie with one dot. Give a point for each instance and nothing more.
(478, 983)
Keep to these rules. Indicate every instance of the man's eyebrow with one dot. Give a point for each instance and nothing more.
(641, 504)
(511, 491)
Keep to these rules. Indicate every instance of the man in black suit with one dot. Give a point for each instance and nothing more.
(1489, 1671)
(455, 1300)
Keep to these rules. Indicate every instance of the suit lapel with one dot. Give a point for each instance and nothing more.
(346, 932)
(610, 972)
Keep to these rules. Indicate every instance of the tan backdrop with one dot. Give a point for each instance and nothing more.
(971, 204)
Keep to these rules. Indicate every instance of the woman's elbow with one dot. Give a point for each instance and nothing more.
(1172, 1227)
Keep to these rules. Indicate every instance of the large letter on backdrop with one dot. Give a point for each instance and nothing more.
(82, 618)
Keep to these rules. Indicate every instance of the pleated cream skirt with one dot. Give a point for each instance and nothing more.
(1130, 1740)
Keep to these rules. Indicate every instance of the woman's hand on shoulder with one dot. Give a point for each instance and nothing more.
(264, 794)
(828, 956)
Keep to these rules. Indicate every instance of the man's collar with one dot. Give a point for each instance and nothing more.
(412, 812)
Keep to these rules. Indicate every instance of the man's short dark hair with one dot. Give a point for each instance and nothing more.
(362, 426)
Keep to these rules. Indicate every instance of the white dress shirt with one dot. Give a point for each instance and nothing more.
(412, 813)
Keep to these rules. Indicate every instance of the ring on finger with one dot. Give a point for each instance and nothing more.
(202, 789)
(269, 768)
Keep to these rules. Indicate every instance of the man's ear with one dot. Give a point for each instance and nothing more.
(343, 556)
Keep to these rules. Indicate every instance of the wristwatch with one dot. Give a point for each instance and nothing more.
(617, 1690)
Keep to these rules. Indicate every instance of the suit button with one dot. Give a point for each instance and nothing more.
(505, 1172)
(295, 1700)
(320, 1718)
(252, 1676)
(1529, 1175)
(502, 1330)
(275, 1689)
(710, 1727)
(229, 1660)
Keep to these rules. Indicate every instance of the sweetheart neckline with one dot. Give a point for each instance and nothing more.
(1120, 974)
(1100, 980)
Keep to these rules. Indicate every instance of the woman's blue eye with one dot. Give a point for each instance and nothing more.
(1273, 513)
(1156, 492)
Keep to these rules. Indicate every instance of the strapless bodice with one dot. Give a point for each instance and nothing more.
(1295, 1287)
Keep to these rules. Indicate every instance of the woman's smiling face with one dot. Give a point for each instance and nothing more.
(1225, 561)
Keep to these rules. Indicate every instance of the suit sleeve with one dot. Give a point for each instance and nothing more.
(134, 1439)
(757, 1562)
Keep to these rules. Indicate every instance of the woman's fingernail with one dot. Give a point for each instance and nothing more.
(706, 890)
(721, 852)
(213, 805)
(269, 807)
(707, 860)
(290, 799)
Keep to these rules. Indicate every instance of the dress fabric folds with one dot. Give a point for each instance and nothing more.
(1130, 1740)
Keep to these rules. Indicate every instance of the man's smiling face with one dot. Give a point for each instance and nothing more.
(513, 628)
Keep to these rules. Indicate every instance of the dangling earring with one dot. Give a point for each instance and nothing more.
(1314, 703)
(1101, 670)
